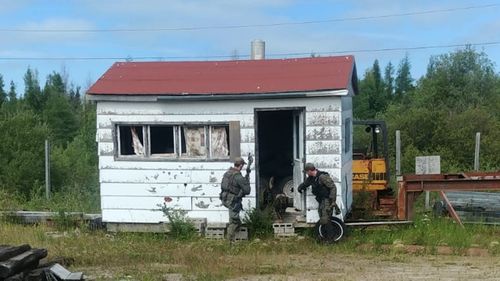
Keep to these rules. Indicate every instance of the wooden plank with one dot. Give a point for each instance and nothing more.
(25, 261)
(162, 177)
(144, 202)
(7, 252)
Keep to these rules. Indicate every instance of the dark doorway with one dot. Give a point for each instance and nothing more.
(275, 157)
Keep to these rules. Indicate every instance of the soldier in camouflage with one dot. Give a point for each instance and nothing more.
(234, 188)
(324, 189)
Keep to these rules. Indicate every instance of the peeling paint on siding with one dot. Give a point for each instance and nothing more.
(202, 205)
(330, 108)
(322, 133)
(196, 188)
(321, 147)
(323, 119)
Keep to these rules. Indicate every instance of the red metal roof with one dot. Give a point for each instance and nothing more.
(226, 77)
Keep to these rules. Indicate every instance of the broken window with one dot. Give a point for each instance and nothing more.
(176, 141)
(131, 140)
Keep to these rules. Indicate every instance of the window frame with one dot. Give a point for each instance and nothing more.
(177, 155)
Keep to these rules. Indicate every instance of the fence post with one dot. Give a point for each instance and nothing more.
(47, 169)
(476, 154)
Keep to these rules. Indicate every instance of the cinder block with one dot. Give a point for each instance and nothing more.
(200, 224)
(215, 233)
(242, 234)
(283, 229)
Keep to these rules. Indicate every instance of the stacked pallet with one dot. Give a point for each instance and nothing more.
(22, 263)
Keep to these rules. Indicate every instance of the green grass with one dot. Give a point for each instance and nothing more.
(150, 256)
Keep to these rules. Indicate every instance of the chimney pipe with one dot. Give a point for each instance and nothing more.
(258, 50)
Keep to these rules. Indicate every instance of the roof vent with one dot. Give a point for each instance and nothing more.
(258, 50)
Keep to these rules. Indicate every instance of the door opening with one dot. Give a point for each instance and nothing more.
(278, 147)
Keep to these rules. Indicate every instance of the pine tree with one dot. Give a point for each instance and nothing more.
(32, 92)
(389, 81)
(3, 95)
(403, 82)
(12, 92)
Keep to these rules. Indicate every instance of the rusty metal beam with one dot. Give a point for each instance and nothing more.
(449, 182)
(411, 186)
(451, 210)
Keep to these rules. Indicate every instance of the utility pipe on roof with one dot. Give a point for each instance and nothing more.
(258, 50)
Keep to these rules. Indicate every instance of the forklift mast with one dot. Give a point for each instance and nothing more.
(371, 165)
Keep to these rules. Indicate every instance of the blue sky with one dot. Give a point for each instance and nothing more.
(18, 50)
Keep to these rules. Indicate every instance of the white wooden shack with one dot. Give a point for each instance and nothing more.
(167, 132)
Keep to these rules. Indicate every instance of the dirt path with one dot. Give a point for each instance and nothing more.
(332, 267)
(355, 267)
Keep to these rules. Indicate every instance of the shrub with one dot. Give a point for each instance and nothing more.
(180, 227)
(259, 222)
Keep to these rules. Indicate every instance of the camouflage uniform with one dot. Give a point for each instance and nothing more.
(325, 191)
(237, 188)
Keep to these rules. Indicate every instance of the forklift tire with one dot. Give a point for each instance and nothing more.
(331, 232)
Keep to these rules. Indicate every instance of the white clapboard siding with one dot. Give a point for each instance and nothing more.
(105, 135)
(247, 135)
(325, 161)
(214, 203)
(232, 107)
(107, 121)
(105, 148)
(156, 216)
(151, 189)
(159, 177)
(329, 147)
(314, 133)
(143, 202)
(247, 148)
(323, 118)
(109, 162)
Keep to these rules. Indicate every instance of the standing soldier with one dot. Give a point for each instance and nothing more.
(324, 189)
(234, 187)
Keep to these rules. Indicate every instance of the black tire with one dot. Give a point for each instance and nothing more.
(331, 232)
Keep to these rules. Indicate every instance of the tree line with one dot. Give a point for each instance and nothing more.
(440, 113)
(56, 113)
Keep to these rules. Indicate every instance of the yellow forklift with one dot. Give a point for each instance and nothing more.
(370, 169)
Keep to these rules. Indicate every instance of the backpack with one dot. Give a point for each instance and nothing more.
(227, 180)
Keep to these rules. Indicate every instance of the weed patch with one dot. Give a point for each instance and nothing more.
(180, 227)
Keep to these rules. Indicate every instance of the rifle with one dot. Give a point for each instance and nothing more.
(249, 169)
